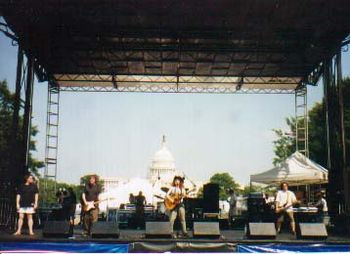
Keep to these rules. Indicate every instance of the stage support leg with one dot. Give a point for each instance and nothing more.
(345, 162)
(52, 124)
(27, 118)
(338, 195)
(16, 159)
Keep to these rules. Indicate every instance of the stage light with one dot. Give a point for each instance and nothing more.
(240, 84)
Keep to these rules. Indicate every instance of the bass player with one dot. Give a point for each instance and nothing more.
(285, 199)
(175, 195)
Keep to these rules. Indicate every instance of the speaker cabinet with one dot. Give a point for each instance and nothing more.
(105, 230)
(158, 229)
(256, 207)
(206, 230)
(211, 198)
(316, 231)
(261, 230)
(57, 229)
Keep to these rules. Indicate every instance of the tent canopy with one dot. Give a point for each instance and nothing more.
(296, 170)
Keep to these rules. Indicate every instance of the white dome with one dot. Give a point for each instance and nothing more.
(163, 159)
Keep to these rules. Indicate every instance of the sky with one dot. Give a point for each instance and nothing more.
(117, 134)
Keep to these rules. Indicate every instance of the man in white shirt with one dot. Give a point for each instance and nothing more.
(233, 206)
(285, 199)
(322, 208)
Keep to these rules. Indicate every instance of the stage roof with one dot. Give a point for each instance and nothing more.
(179, 46)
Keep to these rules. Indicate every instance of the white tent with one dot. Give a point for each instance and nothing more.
(296, 170)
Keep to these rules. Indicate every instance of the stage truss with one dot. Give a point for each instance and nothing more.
(175, 84)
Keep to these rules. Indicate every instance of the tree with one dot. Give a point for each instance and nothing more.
(317, 135)
(48, 195)
(6, 110)
(285, 145)
(225, 182)
(270, 190)
(7, 100)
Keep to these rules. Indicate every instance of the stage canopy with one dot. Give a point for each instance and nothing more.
(179, 46)
(296, 170)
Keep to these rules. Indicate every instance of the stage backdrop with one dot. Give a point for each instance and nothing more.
(47, 247)
(309, 248)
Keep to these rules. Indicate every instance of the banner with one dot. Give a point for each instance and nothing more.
(273, 247)
(62, 247)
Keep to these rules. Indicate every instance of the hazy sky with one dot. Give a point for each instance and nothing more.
(117, 134)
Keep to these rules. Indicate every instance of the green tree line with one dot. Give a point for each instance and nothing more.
(7, 150)
(284, 145)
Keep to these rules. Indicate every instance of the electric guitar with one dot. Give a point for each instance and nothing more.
(174, 200)
(285, 207)
(90, 205)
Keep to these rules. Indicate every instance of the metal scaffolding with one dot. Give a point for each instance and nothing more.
(301, 121)
(176, 84)
(52, 122)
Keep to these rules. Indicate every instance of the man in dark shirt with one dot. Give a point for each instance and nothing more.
(26, 203)
(69, 205)
(140, 202)
(90, 199)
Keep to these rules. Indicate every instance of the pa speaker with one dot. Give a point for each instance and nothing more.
(312, 231)
(158, 229)
(211, 198)
(105, 230)
(261, 230)
(206, 230)
(57, 229)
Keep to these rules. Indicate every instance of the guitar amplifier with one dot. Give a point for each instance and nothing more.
(261, 231)
(57, 229)
(158, 229)
(105, 230)
(206, 230)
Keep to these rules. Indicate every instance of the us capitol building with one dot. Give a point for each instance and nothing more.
(160, 175)
(162, 169)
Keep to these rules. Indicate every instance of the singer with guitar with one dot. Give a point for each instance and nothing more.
(174, 199)
(285, 200)
(90, 200)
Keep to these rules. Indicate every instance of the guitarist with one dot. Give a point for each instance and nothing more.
(91, 193)
(176, 194)
(285, 200)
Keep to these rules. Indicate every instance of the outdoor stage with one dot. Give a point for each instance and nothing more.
(153, 46)
(135, 241)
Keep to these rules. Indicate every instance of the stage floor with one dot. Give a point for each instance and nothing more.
(134, 241)
(130, 236)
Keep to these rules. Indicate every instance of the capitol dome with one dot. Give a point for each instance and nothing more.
(163, 164)
(163, 159)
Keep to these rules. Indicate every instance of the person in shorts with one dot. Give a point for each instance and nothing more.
(26, 203)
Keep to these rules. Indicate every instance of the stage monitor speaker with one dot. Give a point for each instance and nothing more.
(206, 230)
(211, 198)
(261, 230)
(105, 229)
(158, 229)
(57, 229)
(312, 231)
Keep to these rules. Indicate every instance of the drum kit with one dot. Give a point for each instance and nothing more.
(160, 205)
